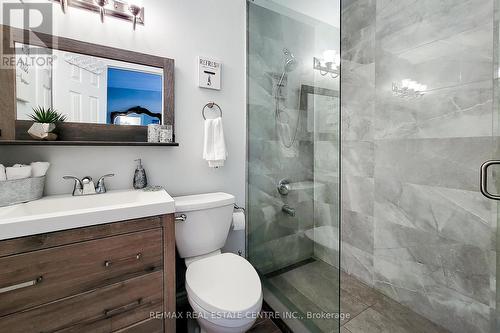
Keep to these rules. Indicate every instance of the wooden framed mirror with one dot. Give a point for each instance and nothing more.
(108, 95)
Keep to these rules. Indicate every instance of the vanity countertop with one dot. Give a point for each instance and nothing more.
(62, 212)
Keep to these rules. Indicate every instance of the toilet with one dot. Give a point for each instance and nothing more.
(223, 289)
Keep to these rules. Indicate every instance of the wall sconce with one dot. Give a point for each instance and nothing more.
(131, 11)
(408, 89)
(328, 64)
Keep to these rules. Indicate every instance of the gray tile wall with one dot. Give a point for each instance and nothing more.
(276, 240)
(357, 135)
(414, 224)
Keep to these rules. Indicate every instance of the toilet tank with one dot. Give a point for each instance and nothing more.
(207, 224)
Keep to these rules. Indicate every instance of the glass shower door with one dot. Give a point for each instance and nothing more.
(418, 119)
(293, 159)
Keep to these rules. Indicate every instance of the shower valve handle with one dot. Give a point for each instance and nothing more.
(284, 187)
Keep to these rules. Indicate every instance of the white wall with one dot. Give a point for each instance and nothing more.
(181, 30)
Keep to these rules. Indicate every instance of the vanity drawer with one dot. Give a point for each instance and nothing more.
(38, 277)
(105, 310)
(20, 245)
(152, 325)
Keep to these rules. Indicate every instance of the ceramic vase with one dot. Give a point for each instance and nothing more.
(41, 131)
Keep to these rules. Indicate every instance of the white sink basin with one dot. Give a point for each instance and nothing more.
(63, 212)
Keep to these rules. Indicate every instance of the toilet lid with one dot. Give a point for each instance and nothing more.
(225, 282)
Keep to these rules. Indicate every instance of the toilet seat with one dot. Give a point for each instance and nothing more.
(225, 288)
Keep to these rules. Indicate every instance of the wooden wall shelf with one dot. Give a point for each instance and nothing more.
(83, 143)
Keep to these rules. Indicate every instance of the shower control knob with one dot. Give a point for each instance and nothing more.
(288, 210)
(284, 187)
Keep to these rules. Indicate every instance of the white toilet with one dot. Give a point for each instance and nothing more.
(224, 290)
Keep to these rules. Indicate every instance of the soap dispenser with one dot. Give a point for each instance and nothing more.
(140, 179)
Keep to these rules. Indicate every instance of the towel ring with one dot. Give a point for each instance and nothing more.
(210, 105)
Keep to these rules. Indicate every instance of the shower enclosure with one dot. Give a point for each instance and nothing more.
(364, 179)
(293, 161)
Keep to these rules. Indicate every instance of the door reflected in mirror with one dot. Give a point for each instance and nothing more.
(89, 89)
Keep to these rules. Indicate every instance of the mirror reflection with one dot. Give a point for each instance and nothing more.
(89, 89)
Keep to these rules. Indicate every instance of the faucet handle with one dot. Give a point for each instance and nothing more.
(101, 187)
(78, 182)
(78, 187)
(101, 180)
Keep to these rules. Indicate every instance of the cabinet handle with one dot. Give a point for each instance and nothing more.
(22, 285)
(123, 308)
(106, 314)
(109, 263)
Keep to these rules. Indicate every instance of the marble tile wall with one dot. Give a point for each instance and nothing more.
(277, 240)
(414, 224)
(357, 135)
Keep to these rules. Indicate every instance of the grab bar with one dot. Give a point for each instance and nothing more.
(484, 179)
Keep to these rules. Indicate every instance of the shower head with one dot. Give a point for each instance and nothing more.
(290, 65)
(290, 61)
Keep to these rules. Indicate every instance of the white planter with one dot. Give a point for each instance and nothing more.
(40, 131)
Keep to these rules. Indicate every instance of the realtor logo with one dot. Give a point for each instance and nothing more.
(35, 17)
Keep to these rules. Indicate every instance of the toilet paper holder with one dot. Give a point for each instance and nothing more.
(239, 220)
(236, 207)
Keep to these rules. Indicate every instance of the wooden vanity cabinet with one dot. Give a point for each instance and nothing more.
(103, 278)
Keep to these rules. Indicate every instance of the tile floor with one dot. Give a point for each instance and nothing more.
(264, 326)
(314, 287)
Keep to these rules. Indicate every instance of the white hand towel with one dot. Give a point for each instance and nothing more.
(3, 176)
(18, 171)
(39, 169)
(214, 147)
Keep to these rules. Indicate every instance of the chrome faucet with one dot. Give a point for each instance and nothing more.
(86, 186)
(288, 210)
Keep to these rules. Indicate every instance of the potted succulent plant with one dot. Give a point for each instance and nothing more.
(45, 123)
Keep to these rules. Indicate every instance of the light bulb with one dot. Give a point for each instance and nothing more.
(337, 60)
(135, 7)
(329, 55)
(405, 83)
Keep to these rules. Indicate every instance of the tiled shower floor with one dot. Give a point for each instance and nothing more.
(314, 287)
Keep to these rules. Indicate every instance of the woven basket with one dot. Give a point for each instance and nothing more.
(21, 190)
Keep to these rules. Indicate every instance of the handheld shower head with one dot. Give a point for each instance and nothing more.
(290, 65)
(290, 61)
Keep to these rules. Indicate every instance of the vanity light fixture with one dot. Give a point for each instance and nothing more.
(132, 10)
(135, 7)
(408, 89)
(329, 63)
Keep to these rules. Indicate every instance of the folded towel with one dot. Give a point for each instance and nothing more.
(39, 169)
(214, 147)
(18, 171)
(3, 176)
